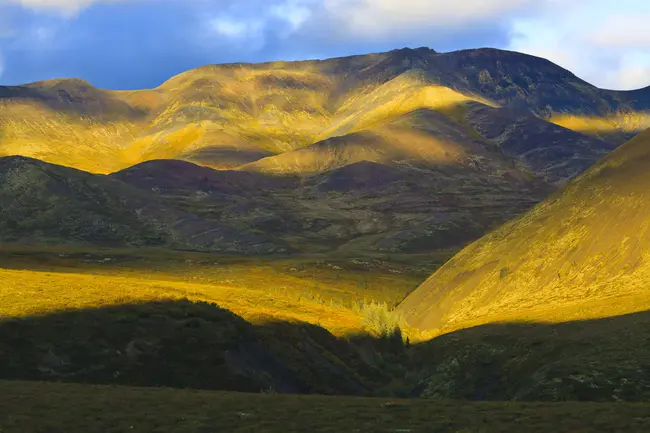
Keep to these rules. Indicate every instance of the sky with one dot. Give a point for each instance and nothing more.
(131, 44)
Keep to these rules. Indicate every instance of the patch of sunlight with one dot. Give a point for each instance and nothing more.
(622, 122)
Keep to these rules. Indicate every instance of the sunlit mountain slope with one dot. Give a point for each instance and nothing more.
(225, 116)
(583, 253)
(469, 137)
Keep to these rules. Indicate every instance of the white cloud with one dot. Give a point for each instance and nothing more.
(633, 71)
(623, 31)
(603, 42)
(66, 7)
(247, 26)
(230, 28)
(242, 32)
(384, 17)
(633, 77)
(2, 65)
(294, 13)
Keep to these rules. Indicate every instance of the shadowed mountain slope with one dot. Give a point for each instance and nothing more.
(363, 207)
(46, 203)
(549, 151)
(592, 360)
(580, 254)
(180, 175)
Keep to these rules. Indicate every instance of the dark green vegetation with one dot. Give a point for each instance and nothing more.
(184, 345)
(593, 360)
(359, 209)
(199, 345)
(49, 204)
(41, 407)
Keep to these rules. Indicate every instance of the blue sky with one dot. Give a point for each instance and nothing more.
(127, 44)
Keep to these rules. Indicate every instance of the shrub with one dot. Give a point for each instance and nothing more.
(381, 320)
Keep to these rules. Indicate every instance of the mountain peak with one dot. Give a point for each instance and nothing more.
(419, 50)
(63, 83)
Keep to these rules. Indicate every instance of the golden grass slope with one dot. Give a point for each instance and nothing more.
(243, 112)
(31, 129)
(237, 116)
(427, 130)
(422, 137)
(37, 281)
(250, 111)
(583, 253)
(28, 293)
(218, 116)
(616, 124)
(225, 116)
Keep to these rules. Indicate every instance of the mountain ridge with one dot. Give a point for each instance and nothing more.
(225, 116)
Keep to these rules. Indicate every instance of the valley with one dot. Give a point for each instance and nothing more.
(388, 237)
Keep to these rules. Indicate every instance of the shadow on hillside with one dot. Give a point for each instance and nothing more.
(592, 360)
(182, 344)
(200, 345)
(229, 156)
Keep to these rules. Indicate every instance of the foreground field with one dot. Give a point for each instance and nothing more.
(292, 325)
(32, 407)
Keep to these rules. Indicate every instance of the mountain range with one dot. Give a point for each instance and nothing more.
(344, 170)
(406, 151)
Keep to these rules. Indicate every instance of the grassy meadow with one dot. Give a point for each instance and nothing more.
(301, 324)
(49, 407)
(330, 293)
